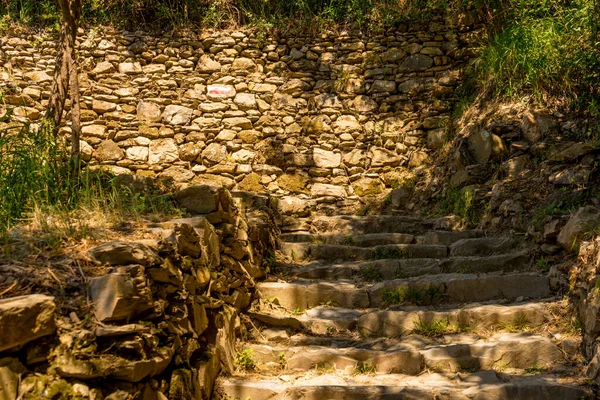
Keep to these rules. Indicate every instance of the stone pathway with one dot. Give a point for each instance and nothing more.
(391, 307)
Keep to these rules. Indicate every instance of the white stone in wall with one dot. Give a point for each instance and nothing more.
(244, 64)
(262, 87)
(346, 124)
(243, 156)
(102, 107)
(106, 45)
(220, 92)
(326, 159)
(177, 115)
(212, 107)
(148, 112)
(163, 151)
(324, 189)
(208, 65)
(129, 68)
(103, 67)
(237, 122)
(98, 131)
(245, 101)
(381, 157)
(214, 153)
(356, 158)
(226, 135)
(126, 92)
(154, 69)
(137, 153)
(38, 76)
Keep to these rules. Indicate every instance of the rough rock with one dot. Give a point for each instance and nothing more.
(199, 199)
(109, 151)
(177, 115)
(585, 220)
(119, 252)
(25, 318)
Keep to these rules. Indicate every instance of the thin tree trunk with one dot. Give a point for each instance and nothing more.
(66, 76)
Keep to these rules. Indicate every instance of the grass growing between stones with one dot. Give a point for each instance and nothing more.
(429, 295)
(43, 193)
(371, 274)
(437, 328)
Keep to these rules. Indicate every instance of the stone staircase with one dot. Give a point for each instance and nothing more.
(393, 307)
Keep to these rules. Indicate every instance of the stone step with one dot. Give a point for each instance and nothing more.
(386, 269)
(464, 352)
(340, 252)
(430, 289)
(366, 240)
(484, 385)
(415, 320)
(399, 323)
(356, 225)
(449, 237)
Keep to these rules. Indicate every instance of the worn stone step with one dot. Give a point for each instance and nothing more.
(305, 358)
(459, 288)
(449, 237)
(465, 352)
(366, 240)
(357, 225)
(483, 385)
(414, 320)
(400, 323)
(341, 252)
(483, 246)
(430, 289)
(377, 270)
(306, 294)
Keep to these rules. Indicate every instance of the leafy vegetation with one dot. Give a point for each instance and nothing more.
(37, 181)
(246, 360)
(436, 328)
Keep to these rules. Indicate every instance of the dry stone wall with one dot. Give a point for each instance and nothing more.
(321, 118)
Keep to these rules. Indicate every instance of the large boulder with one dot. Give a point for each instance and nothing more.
(119, 252)
(537, 125)
(25, 318)
(203, 199)
(584, 221)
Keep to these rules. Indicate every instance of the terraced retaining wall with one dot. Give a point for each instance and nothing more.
(325, 116)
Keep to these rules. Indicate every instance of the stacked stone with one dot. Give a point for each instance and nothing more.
(167, 314)
(323, 116)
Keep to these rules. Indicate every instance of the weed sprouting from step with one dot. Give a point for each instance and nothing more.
(371, 274)
(382, 253)
(364, 368)
(434, 328)
(534, 369)
(543, 264)
(348, 240)
(401, 295)
(297, 311)
(246, 360)
(519, 323)
(323, 367)
(281, 360)
(331, 330)
(270, 262)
